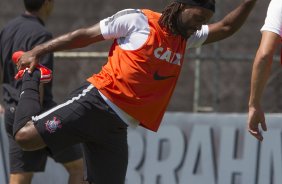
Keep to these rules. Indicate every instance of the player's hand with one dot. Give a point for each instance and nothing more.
(28, 60)
(256, 117)
(2, 110)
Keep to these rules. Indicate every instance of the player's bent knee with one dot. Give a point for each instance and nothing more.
(28, 138)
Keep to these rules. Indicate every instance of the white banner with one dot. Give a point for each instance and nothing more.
(197, 149)
(205, 149)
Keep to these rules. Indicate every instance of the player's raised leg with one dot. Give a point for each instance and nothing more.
(24, 130)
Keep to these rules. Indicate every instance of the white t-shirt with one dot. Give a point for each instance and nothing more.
(131, 29)
(273, 20)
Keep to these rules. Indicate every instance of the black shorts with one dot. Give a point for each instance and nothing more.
(86, 118)
(33, 161)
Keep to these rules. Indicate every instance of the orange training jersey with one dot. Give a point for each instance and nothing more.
(141, 82)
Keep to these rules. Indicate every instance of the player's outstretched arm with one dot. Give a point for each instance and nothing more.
(76, 39)
(230, 23)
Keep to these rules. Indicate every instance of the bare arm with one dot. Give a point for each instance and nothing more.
(76, 39)
(260, 73)
(1, 73)
(2, 110)
(230, 23)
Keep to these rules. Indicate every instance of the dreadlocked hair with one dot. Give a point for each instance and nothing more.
(168, 19)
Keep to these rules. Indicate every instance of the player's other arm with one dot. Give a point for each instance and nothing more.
(260, 74)
(76, 39)
(262, 65)
(230, 23)
(1, 81)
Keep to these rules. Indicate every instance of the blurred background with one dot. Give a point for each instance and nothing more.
(215, 78)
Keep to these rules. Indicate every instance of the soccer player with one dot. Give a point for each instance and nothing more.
(133, 87)
(270, 41)
(23, 33)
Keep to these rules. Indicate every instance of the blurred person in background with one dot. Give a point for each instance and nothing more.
(133, 88)
(24, 33)
(270, 40)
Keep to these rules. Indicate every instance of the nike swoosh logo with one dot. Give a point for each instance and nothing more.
(159, 77)
(21, 94)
